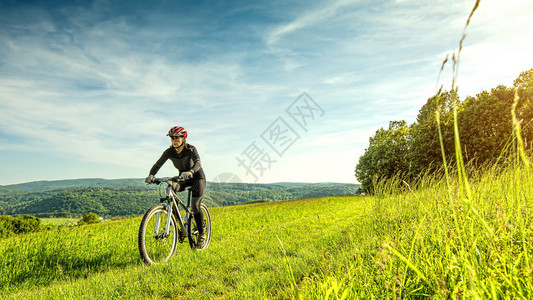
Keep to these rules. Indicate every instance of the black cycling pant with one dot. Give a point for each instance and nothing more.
(197, 189)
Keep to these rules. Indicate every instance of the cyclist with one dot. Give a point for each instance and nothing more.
(185, 158)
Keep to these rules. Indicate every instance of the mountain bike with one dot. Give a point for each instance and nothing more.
(170, 222)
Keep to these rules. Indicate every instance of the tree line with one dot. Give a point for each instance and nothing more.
(485, 130)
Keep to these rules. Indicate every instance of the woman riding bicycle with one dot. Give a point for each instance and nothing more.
(185, 158)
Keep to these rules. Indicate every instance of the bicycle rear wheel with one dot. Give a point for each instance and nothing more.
(154, 245)
(193, 229)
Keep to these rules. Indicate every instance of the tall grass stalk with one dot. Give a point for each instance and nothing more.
(290, 272)
(520, 148)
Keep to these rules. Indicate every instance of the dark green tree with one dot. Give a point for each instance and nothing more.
(426, 154)
(386, 156)
(485, 124)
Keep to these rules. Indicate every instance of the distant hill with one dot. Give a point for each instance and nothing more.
(128, 197)
(76, 183)
(7, 190)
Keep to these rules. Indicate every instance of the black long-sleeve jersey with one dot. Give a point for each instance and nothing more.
(187, 160)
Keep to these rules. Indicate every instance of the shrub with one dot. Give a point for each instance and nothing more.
(10, 225)
(89, 218)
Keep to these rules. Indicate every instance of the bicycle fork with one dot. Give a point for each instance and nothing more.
(167, 223)
(169, 217)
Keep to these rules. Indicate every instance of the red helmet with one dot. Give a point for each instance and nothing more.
(177, 131)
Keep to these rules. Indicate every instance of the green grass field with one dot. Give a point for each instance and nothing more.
(262, 250)
(426, 243)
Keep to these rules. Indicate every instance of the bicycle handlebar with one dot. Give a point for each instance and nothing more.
(167, 179)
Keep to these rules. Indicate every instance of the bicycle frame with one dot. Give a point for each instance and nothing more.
(172, 202)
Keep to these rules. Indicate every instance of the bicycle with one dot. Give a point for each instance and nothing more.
(159, 233)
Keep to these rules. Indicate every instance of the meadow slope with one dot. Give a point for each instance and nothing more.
(258, 251)
(442, 240)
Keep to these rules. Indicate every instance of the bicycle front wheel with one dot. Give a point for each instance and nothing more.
(155, 245)
(193, 229)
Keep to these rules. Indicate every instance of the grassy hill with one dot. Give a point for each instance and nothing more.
(257, 251)
(45, 185)
(430, 242)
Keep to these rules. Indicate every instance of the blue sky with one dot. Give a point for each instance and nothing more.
(90, 88)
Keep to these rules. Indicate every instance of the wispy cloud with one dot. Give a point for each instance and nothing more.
(306, 19)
